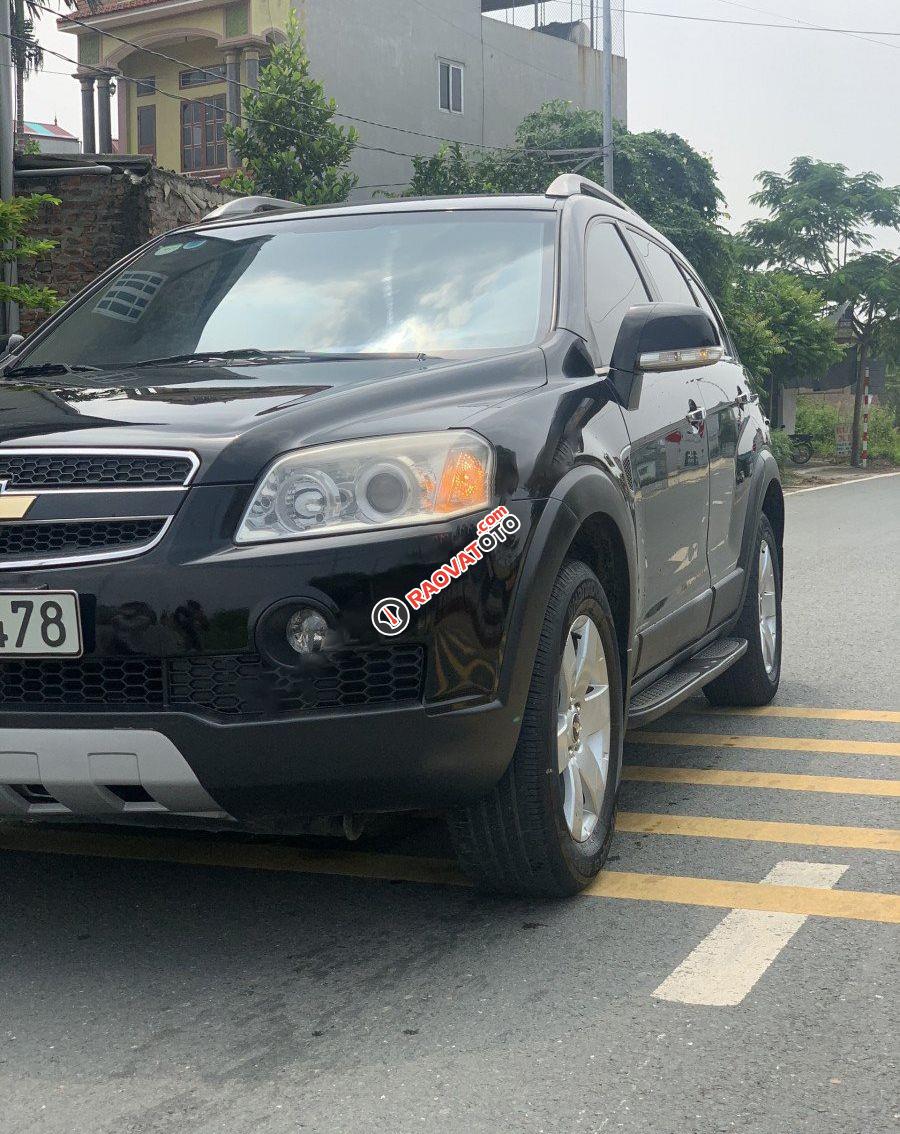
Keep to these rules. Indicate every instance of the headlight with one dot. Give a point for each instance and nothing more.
(357, 485)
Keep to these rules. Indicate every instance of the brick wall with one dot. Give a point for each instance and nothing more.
(104, 217)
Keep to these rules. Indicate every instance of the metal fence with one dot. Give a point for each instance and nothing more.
(588, 13)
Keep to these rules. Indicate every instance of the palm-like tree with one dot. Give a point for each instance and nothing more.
(27, 55)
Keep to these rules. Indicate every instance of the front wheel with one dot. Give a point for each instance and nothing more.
(754, 678)
(546, 828)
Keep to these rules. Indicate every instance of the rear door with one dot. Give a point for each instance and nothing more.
(726, 393)
(668, 462)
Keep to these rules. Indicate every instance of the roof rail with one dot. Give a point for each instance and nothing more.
(250, 206)
(573, 184)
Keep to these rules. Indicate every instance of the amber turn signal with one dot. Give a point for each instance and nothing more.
(464, 482)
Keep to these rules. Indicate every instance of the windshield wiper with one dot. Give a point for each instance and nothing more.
(209, 356)
(253, 354)
(49, 368)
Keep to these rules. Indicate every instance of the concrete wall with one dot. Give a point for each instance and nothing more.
(524, 69)
(103, 218)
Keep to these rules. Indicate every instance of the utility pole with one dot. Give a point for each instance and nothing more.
(9, 311)
(864, 454)
(608, 158)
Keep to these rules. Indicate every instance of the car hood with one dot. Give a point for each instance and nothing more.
(238, 417)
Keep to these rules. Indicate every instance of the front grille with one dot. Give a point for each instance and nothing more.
(232, 684)
(226, 685)
(82, 684)
(92, 470)
(71, 537)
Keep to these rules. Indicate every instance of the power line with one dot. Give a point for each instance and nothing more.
(514, 153)
(202, 102)
(758, 24)
(244, 86)
(795, 20)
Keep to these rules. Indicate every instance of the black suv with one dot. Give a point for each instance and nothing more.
(312, 514)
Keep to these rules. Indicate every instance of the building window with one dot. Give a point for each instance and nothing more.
(451, 87)
(146, 86)
(203, 135)
(200, 76)
(237, 21)
(146, 130)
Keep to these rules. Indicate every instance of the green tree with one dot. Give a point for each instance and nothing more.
(16, 245)
(820, 217)
(289, 146)
(820, 227)
(779, 328)
(870, 282)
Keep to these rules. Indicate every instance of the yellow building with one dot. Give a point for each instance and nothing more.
(174, 78)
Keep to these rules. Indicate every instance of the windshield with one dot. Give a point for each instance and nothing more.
(423, 283)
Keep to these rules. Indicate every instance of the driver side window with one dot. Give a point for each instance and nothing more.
(612, 285)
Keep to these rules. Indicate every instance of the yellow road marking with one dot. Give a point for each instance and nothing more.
(769, 743)
(716, 777)
(231, 853)
(878, 716)
(853, 904)
(802, 834)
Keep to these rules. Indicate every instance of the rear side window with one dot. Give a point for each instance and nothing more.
(672, 285)
(612, 285)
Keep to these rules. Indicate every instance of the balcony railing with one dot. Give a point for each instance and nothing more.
(578, 20)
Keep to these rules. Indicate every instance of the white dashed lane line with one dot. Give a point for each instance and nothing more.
(726, 965)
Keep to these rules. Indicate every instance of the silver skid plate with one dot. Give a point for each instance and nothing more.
(46, 772)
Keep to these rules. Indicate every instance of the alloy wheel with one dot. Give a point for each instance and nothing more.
(768, 614)
(584, 727)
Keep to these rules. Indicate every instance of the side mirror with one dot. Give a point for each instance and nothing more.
(657, 337)
(665, 336)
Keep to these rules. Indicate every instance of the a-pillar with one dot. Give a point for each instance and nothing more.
(88, 132)
(104, 118)
(233, 96)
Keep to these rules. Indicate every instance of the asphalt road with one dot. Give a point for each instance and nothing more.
(167, 983)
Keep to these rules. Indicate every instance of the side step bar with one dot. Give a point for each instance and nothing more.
(683, 681)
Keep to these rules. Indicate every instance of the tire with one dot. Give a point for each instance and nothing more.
(519, 839)
(754, 678)
(801, 453)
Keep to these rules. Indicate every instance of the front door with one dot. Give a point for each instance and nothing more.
(670, 470)
(668, 459)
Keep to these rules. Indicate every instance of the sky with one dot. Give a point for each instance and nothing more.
(749, 98)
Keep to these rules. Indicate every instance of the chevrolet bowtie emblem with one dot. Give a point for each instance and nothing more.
(14, 505)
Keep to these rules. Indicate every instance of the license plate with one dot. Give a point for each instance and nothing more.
(35, 624)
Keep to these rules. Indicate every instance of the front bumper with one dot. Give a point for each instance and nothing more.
(185, 632)
(266, 775)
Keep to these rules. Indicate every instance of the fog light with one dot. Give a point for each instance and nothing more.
(306, 631)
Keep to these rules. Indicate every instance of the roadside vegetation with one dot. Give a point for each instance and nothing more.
(820, 420)
(16, 245)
